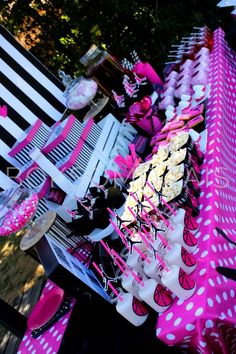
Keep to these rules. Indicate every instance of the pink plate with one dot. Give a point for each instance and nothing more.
(46, 307)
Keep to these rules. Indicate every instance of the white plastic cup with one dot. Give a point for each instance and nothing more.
(177, 281)
(150, 293)
(130, 284)
(177, 236)
(179, 217)
(130, 308)
(154, 269)
(177, 255)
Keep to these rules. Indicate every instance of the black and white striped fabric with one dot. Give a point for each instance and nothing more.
(28, 89)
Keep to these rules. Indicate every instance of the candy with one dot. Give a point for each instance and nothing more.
(15, 219)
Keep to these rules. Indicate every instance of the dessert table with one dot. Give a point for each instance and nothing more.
(205, 323)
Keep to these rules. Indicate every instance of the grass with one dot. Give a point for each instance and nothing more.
(18, 271)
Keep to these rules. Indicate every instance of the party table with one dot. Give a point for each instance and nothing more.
(206, 322)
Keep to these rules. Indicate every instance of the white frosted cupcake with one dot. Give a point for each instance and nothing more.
(179, 140)
(174, 174)
(172, 190)
(177, 157)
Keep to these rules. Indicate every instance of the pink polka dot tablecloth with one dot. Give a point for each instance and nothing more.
(206, 323)
(49, 342)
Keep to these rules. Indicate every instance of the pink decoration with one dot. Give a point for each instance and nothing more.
(3, 111)
(146, 70)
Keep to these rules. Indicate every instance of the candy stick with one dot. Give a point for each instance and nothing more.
(139, 280)
(108, 283)
(168, 206)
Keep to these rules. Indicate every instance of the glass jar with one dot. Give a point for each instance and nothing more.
(18, 206)
(104, 69)
(109, 74)
(80, 92)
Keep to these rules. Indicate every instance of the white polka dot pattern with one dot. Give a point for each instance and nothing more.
(49, 342)
(205, 323)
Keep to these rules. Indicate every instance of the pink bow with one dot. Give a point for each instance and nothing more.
(138, 110)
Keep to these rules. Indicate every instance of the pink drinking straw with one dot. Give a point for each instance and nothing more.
(127, 229)
(149, 236)
(108, 283)
(161, 261)
(132, 213)
(110, 253)
(168, 206)
(133, 196)
(150, 186)
(122, 236)
(141, 253)
(145, 215)
(106, 247)
(158, 212)
(111, 212)
(162, 199)
(122, 269)
(165, 242)
(139, 280)
(144, 240)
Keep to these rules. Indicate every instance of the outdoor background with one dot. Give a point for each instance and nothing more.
(59, 32)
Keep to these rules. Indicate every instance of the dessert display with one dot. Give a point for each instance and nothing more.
(186, 87)
(158, 226)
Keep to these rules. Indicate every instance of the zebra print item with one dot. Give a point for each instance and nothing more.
(28, 89)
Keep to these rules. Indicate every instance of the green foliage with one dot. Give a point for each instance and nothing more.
(59, 32)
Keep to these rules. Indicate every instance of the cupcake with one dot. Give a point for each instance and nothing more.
(177, 157)
(172, 190)
(179, 140)
(174, 173)
(137, 184)
(141, 169)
